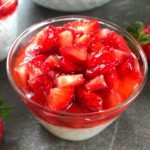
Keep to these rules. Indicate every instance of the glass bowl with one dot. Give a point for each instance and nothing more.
(8, 26)
(67, 125)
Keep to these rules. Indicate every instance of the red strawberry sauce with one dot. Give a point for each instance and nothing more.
(77, 68)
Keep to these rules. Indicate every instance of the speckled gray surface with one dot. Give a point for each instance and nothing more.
(130, 132)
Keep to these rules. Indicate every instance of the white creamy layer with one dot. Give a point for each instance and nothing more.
(72, 133)
(8, 33)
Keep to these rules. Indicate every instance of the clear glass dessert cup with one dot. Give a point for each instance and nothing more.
(67, 125)
(8, 26)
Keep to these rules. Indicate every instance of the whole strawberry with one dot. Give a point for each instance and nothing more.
(142, 33)
(4, 112)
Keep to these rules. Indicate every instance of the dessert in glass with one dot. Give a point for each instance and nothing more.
(71, 5)
(8, 25)
(76, 74)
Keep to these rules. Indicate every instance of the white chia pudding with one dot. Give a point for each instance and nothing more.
(8, 33)
(74, 134)
(71, 5)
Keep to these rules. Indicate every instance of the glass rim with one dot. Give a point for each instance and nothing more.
(73, 18)
(7, 2)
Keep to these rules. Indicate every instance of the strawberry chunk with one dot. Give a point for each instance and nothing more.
(103, 33)
(106, 56)
(104, 61)
(116, 41)
(40, 99)
(70, 80)
(101, 57)
(21, 75)
(112, 99)
(60, 98)
(76, 53)
(40, 84)
(65, 38)
(34, 66)
(99, 70)
(95, 45)
(126, 68)
(85, 26)
(27, 53)
(129, 85)
(89, 99)
(130, 67)
(83, 40)
(68, 67)
(46, 39)
(96, 84)
(77, 108)
(50, 63)
(112, 79)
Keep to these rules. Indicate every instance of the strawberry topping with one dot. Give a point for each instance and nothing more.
(77, 68)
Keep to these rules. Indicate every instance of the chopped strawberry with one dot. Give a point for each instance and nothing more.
(137, 70)
(126, 68)
(78, 68)
(89, 99)
(40, 99)
(116, 41)
(41, 84)
(21, 75)
(65, 38)
(69, 67)
(104, 60)
(112, 99)
(27, 53)
(60, 98)
(130, 68)
(77, 108)
(101, 57)
(52, 74)
(50, 63)
(96, 84)
(103, 33)
(85, 26)
(112, 79)
(76, 53)
(99, 70)
(34, 67)
(83, 40)
(129, 85)
(119, 56)
(96, 43)
(46, 39)
(70, 80)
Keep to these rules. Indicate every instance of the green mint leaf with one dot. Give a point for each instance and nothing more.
(135, 28)
(144, 39)
(1, 102)
(5, 111)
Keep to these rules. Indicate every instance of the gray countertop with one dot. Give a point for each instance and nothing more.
(130, 132)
